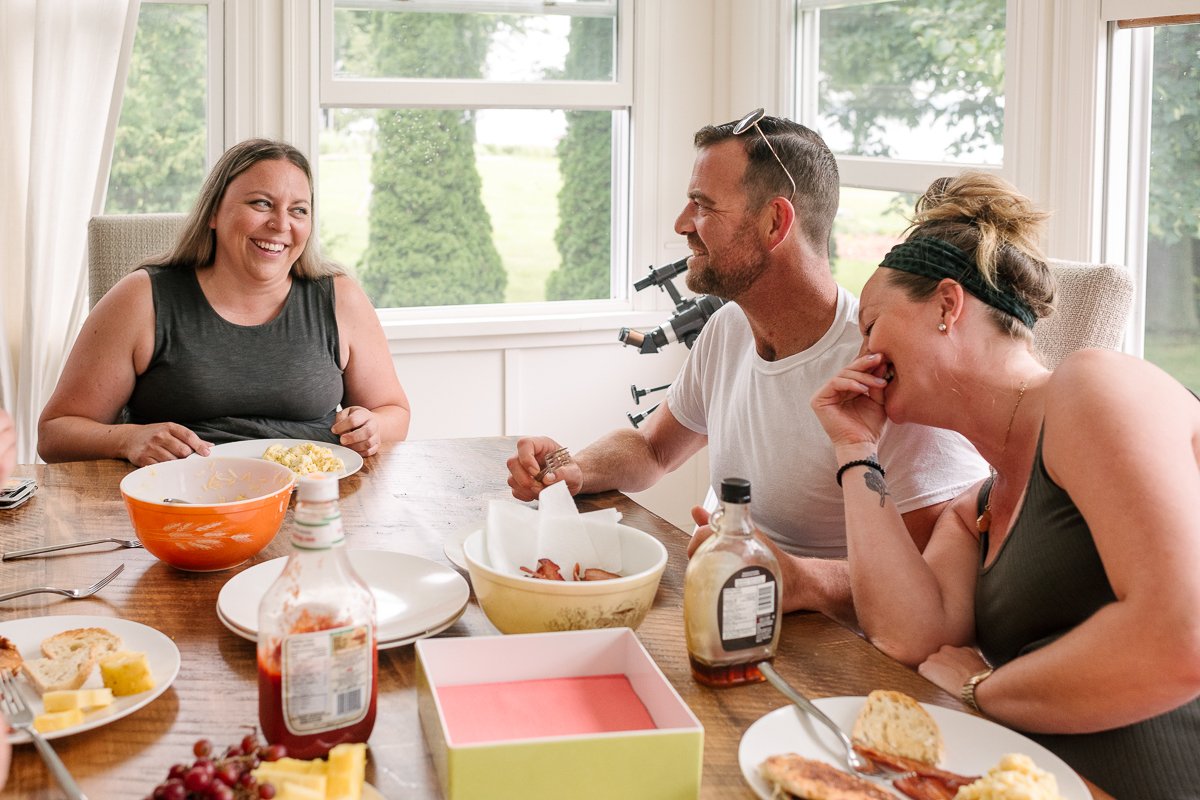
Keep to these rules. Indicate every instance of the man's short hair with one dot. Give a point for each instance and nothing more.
(807, 157)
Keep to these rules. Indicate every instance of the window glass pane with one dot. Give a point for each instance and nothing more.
(452, 207)
(1173, 238)
(914, 79)
(867, 225)
(415, 39)
(159, 157)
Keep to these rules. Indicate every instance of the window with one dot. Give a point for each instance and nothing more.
(903, 91)
(475, 152)
(162, 141)
(1153, 186)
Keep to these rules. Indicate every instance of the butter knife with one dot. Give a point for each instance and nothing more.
(35, 551)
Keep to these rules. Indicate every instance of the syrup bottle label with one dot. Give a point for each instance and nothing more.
(746, 609)
(326, 679)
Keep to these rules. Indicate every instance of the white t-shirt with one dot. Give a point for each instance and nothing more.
(760, 427)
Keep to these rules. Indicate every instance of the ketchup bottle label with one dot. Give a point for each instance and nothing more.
(746, 609)
(325, 679)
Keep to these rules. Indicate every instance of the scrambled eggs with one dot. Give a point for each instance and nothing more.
(1016, 777)
(303, 459)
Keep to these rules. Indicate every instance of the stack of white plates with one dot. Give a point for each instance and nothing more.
(414, 597)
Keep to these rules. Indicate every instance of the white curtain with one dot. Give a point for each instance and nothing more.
(62, 72)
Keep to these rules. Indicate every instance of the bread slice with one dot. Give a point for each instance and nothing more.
(897, 724)
(10, 656)
(101, 640)
(816, 780)
(58, 674)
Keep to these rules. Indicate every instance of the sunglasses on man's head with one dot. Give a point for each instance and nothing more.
(751, 121)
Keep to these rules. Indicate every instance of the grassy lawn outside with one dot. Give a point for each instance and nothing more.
(1178, 354)
(868, 223)
(345, 203)
(520, 192)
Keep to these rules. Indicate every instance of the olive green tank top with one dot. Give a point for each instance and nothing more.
(229, 382)
(1046, 579)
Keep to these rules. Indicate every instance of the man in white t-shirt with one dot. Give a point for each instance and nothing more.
(761, 203)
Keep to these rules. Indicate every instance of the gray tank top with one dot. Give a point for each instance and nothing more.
(229, 382)
(1046, 580)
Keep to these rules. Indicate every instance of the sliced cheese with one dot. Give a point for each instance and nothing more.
(294, 791)
(57, 720)
(77, 698)
(347, 771)
(293, 766)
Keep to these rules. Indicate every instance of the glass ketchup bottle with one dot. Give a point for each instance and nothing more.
(318, 663)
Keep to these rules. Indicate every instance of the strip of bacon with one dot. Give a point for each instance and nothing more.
(950, 779)
(547, 570)
(593, 574)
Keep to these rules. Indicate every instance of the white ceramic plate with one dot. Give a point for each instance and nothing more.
(250, 636)
(161, 653)
(254, 448)
(414, 597)
(453, 547)
(973, 744)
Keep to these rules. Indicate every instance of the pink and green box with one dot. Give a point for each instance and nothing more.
(553, 715)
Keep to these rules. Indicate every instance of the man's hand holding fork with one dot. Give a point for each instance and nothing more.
(539, 462)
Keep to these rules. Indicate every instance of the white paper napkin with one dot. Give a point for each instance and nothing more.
(517, 536)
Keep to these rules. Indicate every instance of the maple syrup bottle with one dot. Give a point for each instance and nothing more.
(318, 663)
(731, 596)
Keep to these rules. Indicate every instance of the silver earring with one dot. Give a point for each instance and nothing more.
(942, 327)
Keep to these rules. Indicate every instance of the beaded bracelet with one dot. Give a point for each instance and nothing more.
(861, 462)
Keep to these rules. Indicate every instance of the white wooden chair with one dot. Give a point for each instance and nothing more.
(118, 243)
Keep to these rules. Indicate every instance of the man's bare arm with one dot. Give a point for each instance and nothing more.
(634, 460)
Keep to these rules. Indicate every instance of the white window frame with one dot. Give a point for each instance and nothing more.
(264, 80)
(1127, 81)
(616, 95)
(883, 173)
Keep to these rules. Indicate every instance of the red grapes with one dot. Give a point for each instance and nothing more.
(228, 777)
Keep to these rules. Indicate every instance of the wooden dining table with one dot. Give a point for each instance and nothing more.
(411, 498)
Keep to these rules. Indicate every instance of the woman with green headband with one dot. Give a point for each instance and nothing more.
(1060, 596)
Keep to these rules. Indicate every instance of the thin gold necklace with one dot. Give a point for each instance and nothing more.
(984, 522)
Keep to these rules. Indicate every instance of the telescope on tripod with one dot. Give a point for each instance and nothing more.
(691, 313)
(684, 325)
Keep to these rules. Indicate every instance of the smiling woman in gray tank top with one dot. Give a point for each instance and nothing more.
(241, 332)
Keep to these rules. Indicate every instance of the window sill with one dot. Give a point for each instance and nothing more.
(507, 332)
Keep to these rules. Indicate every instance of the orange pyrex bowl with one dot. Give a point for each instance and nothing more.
(234, 508)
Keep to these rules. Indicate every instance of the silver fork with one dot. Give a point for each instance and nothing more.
(74, 594)
(559, 458)
(19, 716)
(51, 548)
(858, 764)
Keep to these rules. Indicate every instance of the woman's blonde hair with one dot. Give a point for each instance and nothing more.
(197, 245)
(998, 228)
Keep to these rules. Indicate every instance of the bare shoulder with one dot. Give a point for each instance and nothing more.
(352, 306)
(129, 300)
(1107, 411)
(1095, 386)
(346, 289)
